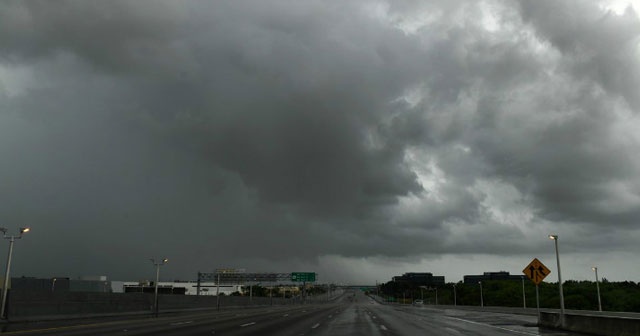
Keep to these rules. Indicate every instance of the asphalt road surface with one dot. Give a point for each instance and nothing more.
(352, 315)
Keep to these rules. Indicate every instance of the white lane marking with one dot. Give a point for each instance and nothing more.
(492, 326)
(383, 327)
(330, 316)
(181, 323)
(247, 324)
(373, 317)
(285, 315)
(315, 325)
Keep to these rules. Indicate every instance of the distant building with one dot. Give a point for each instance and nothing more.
(100, 284)
(93, 277)
(420, 279)
(487, 276)
(96, 286)
(290, 290)
(61, 284)
(180, 287)
(58, 284)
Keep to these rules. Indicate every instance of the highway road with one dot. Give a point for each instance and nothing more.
(353, 314)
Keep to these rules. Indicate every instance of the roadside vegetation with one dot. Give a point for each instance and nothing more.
(578, 295)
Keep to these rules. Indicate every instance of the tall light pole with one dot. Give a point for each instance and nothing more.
(155, 296)
(595, 269)
(329, 291)
(555, 240)
(524, 297)
(436, 296)
(455, 299)
(8, 269)
(481, 298)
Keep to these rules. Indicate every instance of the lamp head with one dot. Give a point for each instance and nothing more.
(25, 230)
(165, 260)
(553, 237)
(594, 268)
(4, 230)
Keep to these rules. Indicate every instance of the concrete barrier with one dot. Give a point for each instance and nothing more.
(593, 324)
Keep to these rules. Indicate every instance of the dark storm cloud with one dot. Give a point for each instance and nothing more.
(219, 132)
(255, 100)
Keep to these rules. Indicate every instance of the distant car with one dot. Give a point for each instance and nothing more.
(418, 303)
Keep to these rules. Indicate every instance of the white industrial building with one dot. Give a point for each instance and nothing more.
(189, 287)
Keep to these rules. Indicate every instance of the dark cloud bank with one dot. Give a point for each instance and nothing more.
(267, 134)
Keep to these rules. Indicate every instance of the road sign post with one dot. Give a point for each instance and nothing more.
(303, 276)
(536, 271)
(538, 303)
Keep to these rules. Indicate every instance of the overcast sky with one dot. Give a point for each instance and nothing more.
(356, 139)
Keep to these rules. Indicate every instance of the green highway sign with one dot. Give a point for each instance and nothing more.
(303, 276)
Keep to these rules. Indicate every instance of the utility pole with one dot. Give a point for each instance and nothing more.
(155, 296)
(8, 269)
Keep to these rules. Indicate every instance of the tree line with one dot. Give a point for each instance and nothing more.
(578, 295)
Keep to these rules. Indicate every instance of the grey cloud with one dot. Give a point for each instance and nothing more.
(286, 124)
(233, 131)
(601, 47)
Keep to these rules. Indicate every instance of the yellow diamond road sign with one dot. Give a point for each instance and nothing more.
(536, 271)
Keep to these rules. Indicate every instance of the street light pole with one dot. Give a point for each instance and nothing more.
(329, 291)
(155, 296)
(555, 240)
(8, 269)
(524, 297)
(595, 269)
(455, 299)
(481, 298)
(218, 293)
(436, 296)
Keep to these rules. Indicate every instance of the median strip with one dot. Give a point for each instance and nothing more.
(492, 326)
(247, 324)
